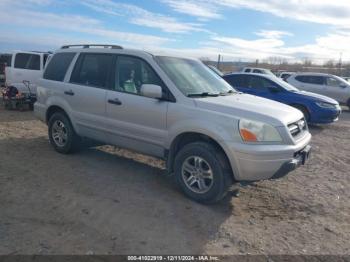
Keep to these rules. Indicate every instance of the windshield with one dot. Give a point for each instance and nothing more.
(342, 80)
(269, 72)
(284, 84)
(191, 77)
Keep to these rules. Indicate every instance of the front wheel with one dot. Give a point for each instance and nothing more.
(202, 172)
(62, 135)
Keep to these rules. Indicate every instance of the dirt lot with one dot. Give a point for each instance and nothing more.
(104, 200)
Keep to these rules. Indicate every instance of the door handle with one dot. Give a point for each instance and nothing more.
(70, 93)
(115, 101)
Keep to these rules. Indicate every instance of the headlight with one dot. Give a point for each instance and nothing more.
(325, 105)
(254, 131)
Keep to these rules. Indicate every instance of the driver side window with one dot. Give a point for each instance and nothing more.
(260, 83)
(330, 81)
(131, 73)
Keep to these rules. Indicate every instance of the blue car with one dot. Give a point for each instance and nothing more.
(317, 109)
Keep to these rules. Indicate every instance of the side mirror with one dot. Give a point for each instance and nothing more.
(343, 85)
(152, 91)
(273, 89)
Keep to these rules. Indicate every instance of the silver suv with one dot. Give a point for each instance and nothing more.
(173, 108)
(324, 84)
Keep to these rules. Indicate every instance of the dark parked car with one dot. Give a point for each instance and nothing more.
(317, 109)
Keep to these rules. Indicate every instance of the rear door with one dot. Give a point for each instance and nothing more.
(86, 92)
(26, 67)
(311, 83)
(135, 121)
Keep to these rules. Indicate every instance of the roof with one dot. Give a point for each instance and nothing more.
(312, 73)
(29, 52)
(106, 48)
(252, 74)
(260, 68)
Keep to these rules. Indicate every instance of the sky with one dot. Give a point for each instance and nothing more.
(245, 30)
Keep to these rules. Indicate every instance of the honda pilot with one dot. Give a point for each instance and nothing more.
(173, 108)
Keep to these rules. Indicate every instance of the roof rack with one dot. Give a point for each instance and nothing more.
(41, 52)
(89, 46)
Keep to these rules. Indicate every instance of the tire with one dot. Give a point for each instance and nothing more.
(205, 157)
(304, 111)
(62, 135)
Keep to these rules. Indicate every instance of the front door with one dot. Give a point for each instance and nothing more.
(260, 86)
(135, 121)
(336, 89)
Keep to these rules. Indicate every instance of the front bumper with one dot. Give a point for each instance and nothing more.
(325, 116)
(299, 159)
(260, 162)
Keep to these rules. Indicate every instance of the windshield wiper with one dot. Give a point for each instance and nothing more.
(228, 93)
(204, 94)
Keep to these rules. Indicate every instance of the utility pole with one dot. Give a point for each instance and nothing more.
(340, 63)
(218, 65)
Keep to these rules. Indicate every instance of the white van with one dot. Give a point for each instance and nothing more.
(25, 67)
(257, 70)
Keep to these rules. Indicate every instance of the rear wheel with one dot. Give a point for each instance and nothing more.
(62, 135)
(304, 111)
(202, 172)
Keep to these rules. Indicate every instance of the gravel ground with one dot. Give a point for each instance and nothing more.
(106, 200)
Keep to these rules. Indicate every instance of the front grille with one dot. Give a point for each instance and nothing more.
(297, 128)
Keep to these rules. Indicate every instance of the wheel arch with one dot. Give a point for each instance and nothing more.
(296, 105)
(189, 137)
(56, 108)
(53, 109)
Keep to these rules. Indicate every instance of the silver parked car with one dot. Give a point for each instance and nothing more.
(173, 108)
(324, 84)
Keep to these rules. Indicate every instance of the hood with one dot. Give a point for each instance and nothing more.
(251, 107)
(317, 97)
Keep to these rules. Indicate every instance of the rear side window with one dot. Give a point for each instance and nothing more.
(58, 66)
(260, 83)
(247, 70)
(21, 60)
(237, 80)
(302, 79)
(27, 61)
(93, 70)
(33, 63)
